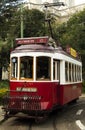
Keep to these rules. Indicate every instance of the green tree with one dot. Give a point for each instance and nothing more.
(33, 25)
(7, 9)
(73, 33)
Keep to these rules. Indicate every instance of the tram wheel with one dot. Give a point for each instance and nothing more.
(6, 116)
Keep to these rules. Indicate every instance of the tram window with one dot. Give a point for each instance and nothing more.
(79, 73)
(66, 71)
(43, 68)
(69, 71)
(56, 70)
(75, 72)
(26, 67)
(14, 66)
(72, 72)
(73, 79)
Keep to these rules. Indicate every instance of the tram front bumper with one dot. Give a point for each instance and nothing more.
(25, 104)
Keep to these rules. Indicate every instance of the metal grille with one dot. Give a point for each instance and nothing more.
(23, 103)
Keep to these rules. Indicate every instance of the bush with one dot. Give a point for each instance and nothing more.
(4, 87)
(3, 92)
(4, 84)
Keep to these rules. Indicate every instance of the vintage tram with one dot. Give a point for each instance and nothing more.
(42, 77)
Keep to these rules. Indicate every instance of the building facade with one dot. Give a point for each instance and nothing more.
(69, 3)
(62, 13)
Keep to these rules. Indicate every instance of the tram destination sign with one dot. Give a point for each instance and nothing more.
(32, 40)
(71, 51)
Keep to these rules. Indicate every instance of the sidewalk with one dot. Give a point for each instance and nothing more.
(1, 114)
(83, 95)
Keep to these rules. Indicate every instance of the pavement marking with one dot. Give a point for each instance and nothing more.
(80, 125)
(79, 112)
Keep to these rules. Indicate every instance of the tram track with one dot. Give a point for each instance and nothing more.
(55, 117)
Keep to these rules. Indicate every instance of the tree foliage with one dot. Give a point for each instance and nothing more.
(33, 23)
(72, 33)
(10, 27)
(7, 9)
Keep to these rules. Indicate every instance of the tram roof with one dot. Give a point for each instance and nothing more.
(39, 44)
(34, 47)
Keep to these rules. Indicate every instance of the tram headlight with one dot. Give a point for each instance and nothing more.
(25, 97)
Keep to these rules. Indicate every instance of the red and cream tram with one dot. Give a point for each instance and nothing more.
(42, 77)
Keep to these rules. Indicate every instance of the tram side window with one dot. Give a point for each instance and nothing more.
(72, 72)
(14, 67)
(75, 72)
(80, 73)
(69, 74)
(56, 70)
(66, 71)
(43, 68)
(26, 67)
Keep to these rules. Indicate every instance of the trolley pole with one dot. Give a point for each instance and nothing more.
(47, 19)
(21, 28)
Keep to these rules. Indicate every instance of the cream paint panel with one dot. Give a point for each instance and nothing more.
(32, 54)
(54, 55)
(66, 58)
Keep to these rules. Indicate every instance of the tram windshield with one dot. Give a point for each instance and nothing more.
(43, 68)
(25, 68)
